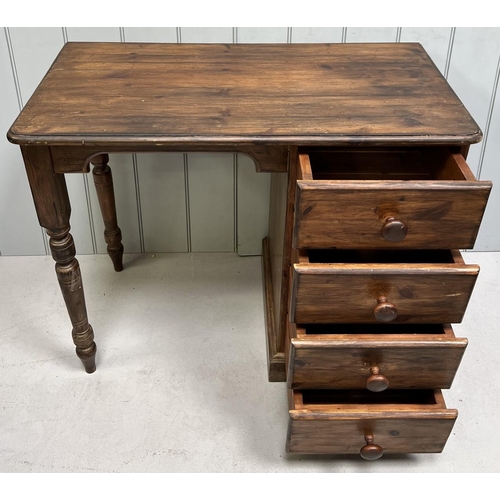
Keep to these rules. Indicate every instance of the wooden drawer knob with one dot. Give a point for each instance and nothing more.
(384, 310)
(394, 230)
(376, 382)
(370, 450)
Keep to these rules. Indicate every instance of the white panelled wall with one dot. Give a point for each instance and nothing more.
(214, 202)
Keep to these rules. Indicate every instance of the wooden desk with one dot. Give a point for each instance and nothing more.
(270, 102)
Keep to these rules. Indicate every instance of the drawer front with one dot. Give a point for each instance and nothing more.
(364, 293)
(407, 434)
(375, 362)
(427, 214)
(333, 429)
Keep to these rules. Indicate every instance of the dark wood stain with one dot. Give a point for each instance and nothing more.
(103, 181)
(283, 85)
(340, 428)
(338, 292)
(344, 360)
(275, 358)
(366, 145)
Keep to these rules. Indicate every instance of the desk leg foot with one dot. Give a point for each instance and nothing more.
(70, 281)
(88, 360)
(103, 181)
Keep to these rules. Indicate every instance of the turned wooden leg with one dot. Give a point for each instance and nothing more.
(70, 281)
(53, 209)
(103, 181)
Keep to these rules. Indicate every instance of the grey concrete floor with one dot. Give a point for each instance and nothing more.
(181, 383)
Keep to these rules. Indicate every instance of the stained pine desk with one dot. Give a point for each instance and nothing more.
(366, 144)
(265, 101)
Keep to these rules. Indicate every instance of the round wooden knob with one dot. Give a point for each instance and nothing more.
(384, 310)
(394, 230)
(370, 450)
(376, 382)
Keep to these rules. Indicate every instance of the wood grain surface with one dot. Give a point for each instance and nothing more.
(118, 93)
(434, 197)
(345, 360)
(339, 428)
(275, 358)
(276, 232)
(423, 289)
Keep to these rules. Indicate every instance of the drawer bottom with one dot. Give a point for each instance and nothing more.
(369, 424)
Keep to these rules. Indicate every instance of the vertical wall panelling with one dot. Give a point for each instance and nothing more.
(163, 202)
(206, 35)
(93, 34)
(489, 121)
(137, 186)
(151, 35)
(262, 35)
(488, 238)
(235, 199)
(316, 35)
(34, 49)
(371, 35)
(186, 194)
(450, 51)
(20, 233)
(435, 41)
(253, 207)
(473, 66)
(211, 202)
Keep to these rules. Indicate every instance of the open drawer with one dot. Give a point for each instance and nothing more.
(423, 197)
(370, 286)
(373, 356)
(366, 423)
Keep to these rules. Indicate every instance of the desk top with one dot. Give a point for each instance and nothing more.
(314, 94)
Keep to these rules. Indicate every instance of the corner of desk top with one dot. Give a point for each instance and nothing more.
(26, 140)
(16, 138)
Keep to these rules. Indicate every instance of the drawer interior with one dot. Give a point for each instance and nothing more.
(334, 256)
(434, 163)
(355, 329)
(362, 397)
